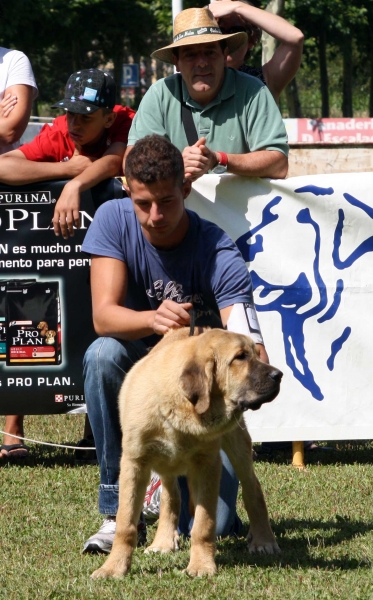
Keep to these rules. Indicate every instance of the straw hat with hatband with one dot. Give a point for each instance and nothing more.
(198, 26)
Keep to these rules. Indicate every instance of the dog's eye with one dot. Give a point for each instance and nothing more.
(242, 356)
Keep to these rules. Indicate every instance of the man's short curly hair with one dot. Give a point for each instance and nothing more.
(153, 159)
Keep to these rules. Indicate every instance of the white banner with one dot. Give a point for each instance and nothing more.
(308, 242)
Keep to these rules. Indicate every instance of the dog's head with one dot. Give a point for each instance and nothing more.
(49, 336)
(43, 326)
(225, 367)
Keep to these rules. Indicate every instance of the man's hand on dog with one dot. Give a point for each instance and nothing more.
(171, 315)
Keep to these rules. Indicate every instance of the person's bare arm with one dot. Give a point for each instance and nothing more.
(261, 163)
(7, 104)
(224, 314)
(66, 214)
(199, 159)
(16, 169)
(109, 281)
(17, 103)
(284, 64)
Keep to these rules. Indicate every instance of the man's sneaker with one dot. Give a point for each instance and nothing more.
(102, 541)
(152, 500)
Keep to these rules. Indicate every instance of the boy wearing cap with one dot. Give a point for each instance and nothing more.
(86, 145)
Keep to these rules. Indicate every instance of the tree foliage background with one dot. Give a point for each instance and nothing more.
(61, 36)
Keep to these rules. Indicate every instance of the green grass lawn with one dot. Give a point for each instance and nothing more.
(322, 518)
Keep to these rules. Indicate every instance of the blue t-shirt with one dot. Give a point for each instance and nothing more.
(206, 269)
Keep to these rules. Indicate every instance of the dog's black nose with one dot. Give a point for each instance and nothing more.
(276, 375)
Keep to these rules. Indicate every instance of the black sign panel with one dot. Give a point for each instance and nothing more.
(45, 302)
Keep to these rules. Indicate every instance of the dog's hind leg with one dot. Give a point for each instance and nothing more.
(204, 481)
(237, 445)
(132, 486)
(167, 537)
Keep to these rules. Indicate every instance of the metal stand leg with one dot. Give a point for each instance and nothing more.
(298, 455)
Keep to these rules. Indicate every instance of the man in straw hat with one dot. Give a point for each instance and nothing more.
(237, 124)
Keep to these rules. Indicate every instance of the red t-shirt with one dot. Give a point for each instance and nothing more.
(53, 144)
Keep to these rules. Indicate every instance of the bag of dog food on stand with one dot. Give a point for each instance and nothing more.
(2, 320)
(3, 287)
(33, 317)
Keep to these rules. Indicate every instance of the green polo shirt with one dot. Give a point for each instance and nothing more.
(242, 118)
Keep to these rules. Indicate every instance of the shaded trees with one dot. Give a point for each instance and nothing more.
(332, 28)
(61, 36)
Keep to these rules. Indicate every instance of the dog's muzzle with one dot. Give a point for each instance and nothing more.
(266, 394)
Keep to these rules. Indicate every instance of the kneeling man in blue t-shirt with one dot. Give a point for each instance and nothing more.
(152, 262)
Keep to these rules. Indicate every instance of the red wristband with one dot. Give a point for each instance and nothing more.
(223, 158)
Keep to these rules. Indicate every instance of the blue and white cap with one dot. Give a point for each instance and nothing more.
(87, 91)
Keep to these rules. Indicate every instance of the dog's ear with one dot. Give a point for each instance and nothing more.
(196, 382)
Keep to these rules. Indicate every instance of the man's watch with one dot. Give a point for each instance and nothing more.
(222, 165)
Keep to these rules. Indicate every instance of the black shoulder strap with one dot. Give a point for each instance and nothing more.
(187, 120)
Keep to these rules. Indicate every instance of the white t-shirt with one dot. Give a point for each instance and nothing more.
(15, 69)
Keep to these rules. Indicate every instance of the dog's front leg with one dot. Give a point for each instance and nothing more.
(167, 537)
(204, 482)
(132, 486)
(237, 445)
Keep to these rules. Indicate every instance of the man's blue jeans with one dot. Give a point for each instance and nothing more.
(106, 363)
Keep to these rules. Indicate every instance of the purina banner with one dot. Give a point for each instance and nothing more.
(308, 242)
(45, 304)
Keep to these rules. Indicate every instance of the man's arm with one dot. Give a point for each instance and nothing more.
(224, 314)
(285, 62)
(262, 163)
(15, 110)
(66, 214)
(199, 159)
(109, 281)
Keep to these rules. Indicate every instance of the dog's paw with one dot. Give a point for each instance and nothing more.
(201, 570)
(103, 574)
(163, 548)
(164, 545)
(263, 547)
(116, 570)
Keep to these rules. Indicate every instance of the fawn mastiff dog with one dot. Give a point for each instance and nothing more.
(178, 406)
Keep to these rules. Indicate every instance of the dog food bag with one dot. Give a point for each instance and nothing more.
(2, 320)
(33, 317)
(4, 283)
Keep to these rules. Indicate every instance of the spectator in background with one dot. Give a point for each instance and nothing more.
(235, 122)
(86, 144)
(282, 67)
(17, 91)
